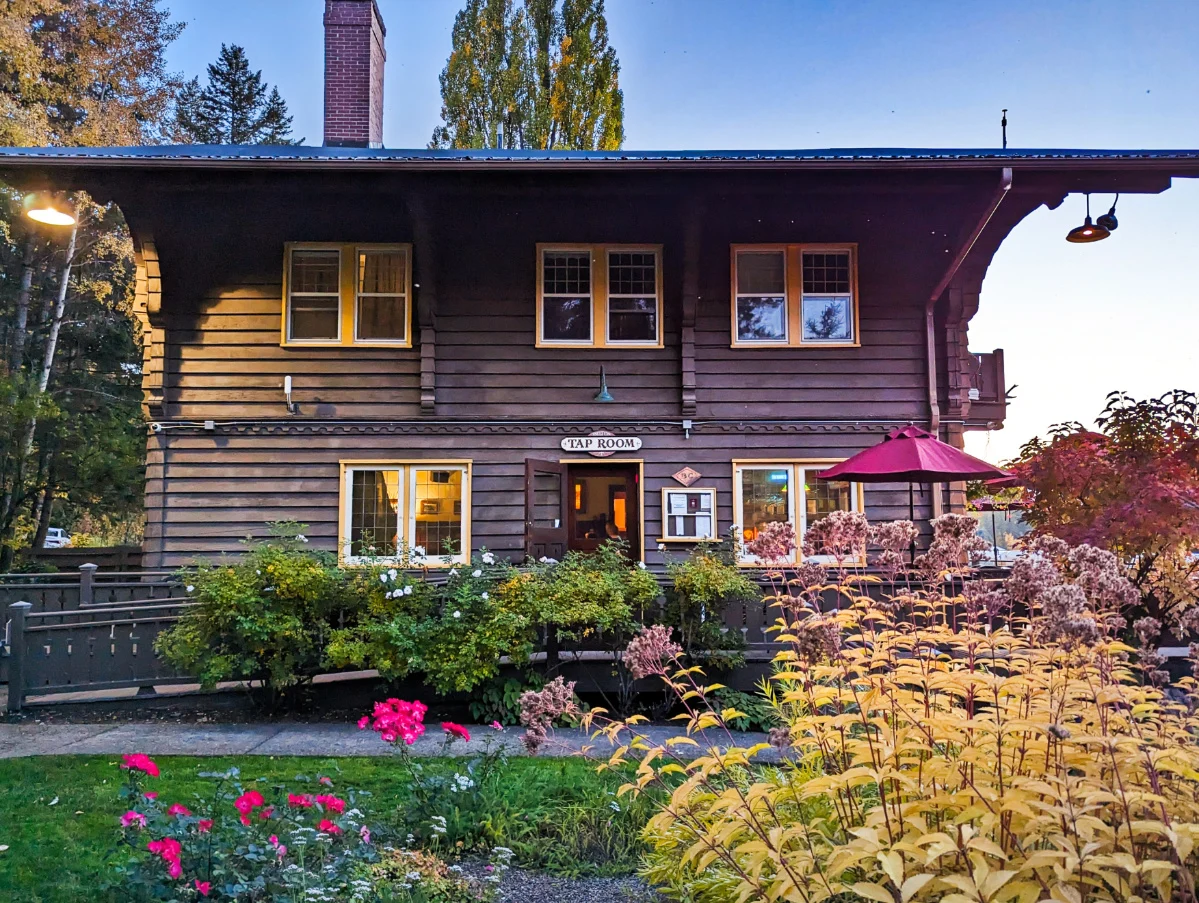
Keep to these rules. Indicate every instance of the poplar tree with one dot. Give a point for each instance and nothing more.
(531, 74)
(235, 107)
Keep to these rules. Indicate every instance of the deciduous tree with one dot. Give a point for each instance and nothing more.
(536, 74)
(1130, 486)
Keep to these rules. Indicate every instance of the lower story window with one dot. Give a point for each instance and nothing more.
(406, 513)
(787, 492)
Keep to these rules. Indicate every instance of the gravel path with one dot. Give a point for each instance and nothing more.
(520, 886)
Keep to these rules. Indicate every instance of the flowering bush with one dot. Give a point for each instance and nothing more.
(265, 616)
(702, 585)
(999, 745)
(448, 810)
(240, 843)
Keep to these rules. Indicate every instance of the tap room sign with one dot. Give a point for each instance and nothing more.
(601, 444)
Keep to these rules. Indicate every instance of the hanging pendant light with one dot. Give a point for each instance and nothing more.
(1088, 231)
(44, 207)
(1108, 220)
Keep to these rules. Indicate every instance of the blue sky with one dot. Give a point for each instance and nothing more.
(1075, 321)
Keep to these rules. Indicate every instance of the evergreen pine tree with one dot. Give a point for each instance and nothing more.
(233, 108)
(531, 74)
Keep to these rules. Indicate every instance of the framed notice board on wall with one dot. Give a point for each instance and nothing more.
(688, 515)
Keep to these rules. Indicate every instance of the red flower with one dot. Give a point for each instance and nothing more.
(150, 795)
(327, 781)
(205, 825)
(133, 818)
(168, 848)
(364, 722)
(175, 869)
(266, 813)
(395, 719)
(332, 803)
(455, 730)
(327, 827)
(140, 762)
(248, 802)
(299, 800)
(178, 809)
(203, 887)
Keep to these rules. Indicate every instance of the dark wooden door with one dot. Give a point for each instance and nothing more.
(545, 509)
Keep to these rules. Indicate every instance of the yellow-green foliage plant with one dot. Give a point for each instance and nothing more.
(1000, 744)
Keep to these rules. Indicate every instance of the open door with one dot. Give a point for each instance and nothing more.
(545, 509)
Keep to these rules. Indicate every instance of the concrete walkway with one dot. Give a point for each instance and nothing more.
(282, 739)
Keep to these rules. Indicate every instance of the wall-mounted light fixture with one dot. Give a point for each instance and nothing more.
(292, 407)
(1088, 231)
(44, 207)
(603, 394)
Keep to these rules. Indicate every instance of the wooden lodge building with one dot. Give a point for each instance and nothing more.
(530, 351)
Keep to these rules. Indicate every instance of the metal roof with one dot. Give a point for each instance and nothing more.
(265, 156)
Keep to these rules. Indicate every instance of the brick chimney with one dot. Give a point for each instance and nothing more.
(354, 58)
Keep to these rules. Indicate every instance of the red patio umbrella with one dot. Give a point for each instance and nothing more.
(912, 455)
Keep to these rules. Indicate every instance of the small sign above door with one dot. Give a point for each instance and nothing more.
(601, 444)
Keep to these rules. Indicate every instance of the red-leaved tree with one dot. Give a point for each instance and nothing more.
(1130, 486)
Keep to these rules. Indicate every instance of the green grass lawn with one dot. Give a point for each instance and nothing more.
(59, 814)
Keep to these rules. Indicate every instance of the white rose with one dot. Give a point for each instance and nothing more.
(641, 565)
(457, 614)
(488, 558)
(408, 590)
(391, 572)
(382, 578)
(661, 547)
(190, 588)
(476, 573)
(486, 597)
(301, 537)
(453, 572)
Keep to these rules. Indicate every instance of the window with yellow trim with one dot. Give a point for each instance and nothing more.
(596, 296)
(415, 513)
(347, 295)
(794, 295)
(787, 492)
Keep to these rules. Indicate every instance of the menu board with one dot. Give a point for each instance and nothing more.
(688, 515)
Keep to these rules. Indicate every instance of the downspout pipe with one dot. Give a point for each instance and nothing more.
(930, 334)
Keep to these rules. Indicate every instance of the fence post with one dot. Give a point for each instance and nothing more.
(16, 655)
(87, 584)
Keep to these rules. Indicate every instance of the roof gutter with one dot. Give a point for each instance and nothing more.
(934, 406)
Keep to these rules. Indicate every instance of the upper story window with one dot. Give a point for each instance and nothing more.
(794, 295)
(595, 296)
(347, 295)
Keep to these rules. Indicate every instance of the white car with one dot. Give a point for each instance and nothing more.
(56, 538)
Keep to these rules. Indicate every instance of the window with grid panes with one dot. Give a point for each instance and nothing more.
(599, 295)
(632, 296)
(794, 295)
(787, 492)
(409, 513)
(347, 294)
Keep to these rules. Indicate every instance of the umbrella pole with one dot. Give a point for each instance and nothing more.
(994, 538)
(912, 518)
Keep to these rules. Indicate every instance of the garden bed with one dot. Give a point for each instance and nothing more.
(57, 821)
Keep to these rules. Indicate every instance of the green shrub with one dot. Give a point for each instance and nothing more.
(702, 586)
(266, 616)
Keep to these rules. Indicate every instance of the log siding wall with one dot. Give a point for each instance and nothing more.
(497, 398)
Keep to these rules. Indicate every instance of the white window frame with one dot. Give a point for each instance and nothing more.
(542, 295)
(405, 510)
(404, 295)
(738, 295)
(291, 294)
(609, 250)
(797, 508)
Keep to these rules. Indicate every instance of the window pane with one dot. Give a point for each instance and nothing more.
(383, 318)
(632, 273)
(374, 517)
(566, 273)
(827, 319)
(826, 272)
(762, 319)
(382, 272)
(314, 317)
(438, 529)
(566, 319)
(764, 494)
(825, 496)
(314, 272)
(760, 273)
(632, 320)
